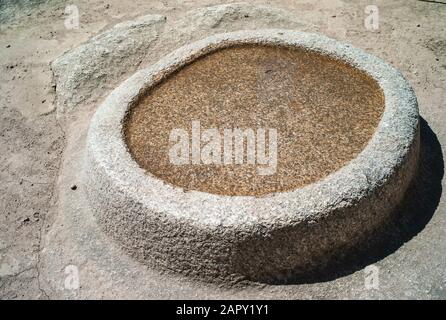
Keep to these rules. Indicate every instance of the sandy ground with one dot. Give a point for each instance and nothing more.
(411, 36)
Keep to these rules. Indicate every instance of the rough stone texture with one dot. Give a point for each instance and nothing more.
(86, 71)
(232, 238)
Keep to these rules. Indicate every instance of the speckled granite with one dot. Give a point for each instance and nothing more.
(228, 238)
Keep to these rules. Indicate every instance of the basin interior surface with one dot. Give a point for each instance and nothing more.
(325, 112)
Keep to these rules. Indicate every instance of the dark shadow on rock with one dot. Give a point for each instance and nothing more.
(419, 204)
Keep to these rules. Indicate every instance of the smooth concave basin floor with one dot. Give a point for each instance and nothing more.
(324, 111)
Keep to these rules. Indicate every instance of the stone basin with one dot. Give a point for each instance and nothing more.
(347, 131)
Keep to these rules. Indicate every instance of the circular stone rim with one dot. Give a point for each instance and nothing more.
(111, 167)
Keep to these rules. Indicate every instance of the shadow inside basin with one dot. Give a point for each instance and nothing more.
(415, 211)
